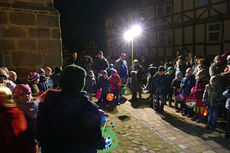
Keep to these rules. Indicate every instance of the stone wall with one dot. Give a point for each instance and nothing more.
(30, 35)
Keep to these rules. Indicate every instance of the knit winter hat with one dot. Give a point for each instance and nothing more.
(228, 57)
(100, 52)
(214, 79)
(169, 68)
(104, 72)
(3, 73)
(114, 71)
(41, 71)
(111, 66)
(161, 68)
(179, 73)
(123, 54)
(73, 78)
(218, 57)
(90, 72)
(135, 61)
(33, 76)
(22, 89)
(189, 70)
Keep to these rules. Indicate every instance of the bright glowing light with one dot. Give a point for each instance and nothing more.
(135, 31)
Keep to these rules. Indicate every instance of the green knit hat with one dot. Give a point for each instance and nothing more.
(73, 78)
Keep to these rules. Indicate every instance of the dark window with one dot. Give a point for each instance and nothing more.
(201, 2)
(161, 38)
(214, 32)
(160, 10)
(168, 7)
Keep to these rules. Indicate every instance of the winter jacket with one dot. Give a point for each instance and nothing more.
(169, 78)
(43, 84)
(216, 69)
(212, 95)
(34, 88)
(69, 123)
(180, 67)
(198, 69)
(90, 84)
(100, 64)
(136, 74)
(87, 66)
(198, 89)
(13, 133)
(226, 94)
(115, 82)
(29, 108)
(176, 85)
(56, 81)
(159, 84)
(186, 84)
(226, 70)
(104, 84)
(122, 68)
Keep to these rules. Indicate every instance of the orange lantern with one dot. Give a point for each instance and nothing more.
(205, 112)
(110, 97)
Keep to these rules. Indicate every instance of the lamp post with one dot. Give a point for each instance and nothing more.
(131, 34)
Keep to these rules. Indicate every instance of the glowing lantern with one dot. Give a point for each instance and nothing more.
(110, 97)
(205, 112)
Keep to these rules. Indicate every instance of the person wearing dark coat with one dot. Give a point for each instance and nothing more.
(122, 69)
(90, 85)
(180, 65)
(56, 77)
(100, 63)
(103, 83)
(43, 83)
(159, 83)
(217, 67)
(170, 76)
(136, 73)
(67, 121)
(176, 88)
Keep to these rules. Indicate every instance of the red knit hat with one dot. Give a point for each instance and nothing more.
(22, 89)
(33, 76)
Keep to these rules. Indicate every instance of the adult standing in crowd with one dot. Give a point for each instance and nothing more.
(217, 67)
(67, 120)
(75, 59)
(136, 74)
(100, 63)
(122, 68)
(87, 63)
(180, 65)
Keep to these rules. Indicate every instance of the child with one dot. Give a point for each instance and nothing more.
(170, 76)
(212, 98)
(159, 83)
(103, 84)
(115, 83)
(34, 79)
(13, 134)
(186, 85)
(43, 83)
(176, 88)
(227, 106)
(111, 68)
(90, 84)
(152, 70)
(198, 91)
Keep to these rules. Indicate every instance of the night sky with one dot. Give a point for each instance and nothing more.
(82, 21)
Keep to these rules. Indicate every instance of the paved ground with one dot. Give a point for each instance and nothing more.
(177, 130)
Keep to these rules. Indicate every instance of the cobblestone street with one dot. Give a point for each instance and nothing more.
(182, 133)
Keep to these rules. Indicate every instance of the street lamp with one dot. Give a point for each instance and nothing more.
(131, 34)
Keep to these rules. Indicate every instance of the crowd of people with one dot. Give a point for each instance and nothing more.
(56, 121)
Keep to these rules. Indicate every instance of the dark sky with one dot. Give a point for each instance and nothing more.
(82, 21)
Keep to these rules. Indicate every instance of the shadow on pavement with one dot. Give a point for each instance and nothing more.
(196, 130)
(140, 103)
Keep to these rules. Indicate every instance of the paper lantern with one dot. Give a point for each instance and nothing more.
(205, 112)
(190, 102)
(111, 140)
(125, 91)
(110, 97)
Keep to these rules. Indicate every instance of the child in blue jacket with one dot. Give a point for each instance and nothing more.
(159, 85)
(186, 85)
